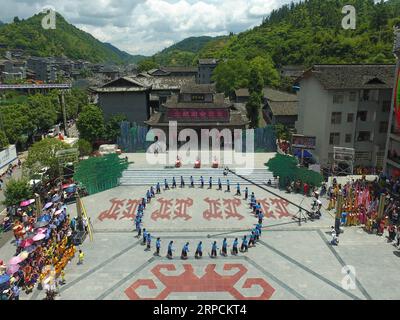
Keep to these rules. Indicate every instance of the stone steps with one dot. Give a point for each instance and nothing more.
(148, 177)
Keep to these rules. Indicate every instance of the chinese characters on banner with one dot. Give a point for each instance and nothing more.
(183, 209)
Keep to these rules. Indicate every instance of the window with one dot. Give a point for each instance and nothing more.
(338, 99)
(336, 118)
(353, 96)
(362, 115)
(350, 117)
(386, 106)
(364, 136)
(383, 127)
(348, 138)
(366, 95)
(334, 138)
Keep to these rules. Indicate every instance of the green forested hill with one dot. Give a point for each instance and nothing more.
(305, 33)
(66, 40)
(126, 57)
(311, 32)
(183, 53)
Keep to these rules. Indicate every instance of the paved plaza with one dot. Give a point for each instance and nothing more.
(289, 262)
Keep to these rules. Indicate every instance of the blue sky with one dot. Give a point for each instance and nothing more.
(148, 26)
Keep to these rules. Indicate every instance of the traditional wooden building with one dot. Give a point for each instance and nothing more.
(198, 106)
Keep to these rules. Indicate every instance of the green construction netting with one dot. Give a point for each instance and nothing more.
(98, 174)
(286, 168)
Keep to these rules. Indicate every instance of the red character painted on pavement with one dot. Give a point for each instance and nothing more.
(211, 281)
(214, 210)
(114, 211)
(266, 209)
(281, 207)
(130, 212)
(230, 208)
(181, 206)
(164, 212)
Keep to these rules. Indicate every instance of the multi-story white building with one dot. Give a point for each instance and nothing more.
(392, 155)
(346, 106)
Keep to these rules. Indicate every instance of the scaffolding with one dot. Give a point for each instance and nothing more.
(65, 158)
(98, 174)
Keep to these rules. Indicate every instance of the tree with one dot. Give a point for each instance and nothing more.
(75, 100)
(281, 132)
(91, 124)
(84, 147)
(17, 191)
(17, 122)
(43, 154)
(43, 111)
(231, 75)
(253, 107)
(146, 65)
(113, 127)
(265, 66)
(3, 140)
(256, 82)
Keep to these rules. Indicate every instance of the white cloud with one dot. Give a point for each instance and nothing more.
(147, 26)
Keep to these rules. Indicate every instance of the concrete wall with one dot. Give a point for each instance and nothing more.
(316, 106)
(132, 104)
(205, 74)
(313, 119)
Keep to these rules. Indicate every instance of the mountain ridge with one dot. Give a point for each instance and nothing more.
(66, 40)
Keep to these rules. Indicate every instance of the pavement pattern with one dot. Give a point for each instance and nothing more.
(290, 262)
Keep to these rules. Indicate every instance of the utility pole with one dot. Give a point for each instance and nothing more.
(64, 113)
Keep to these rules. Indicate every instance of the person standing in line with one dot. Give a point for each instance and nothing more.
(219, 184)
(235, 247)
(199, 251)
(259, 228)
(238, 189)
(158, 246)
(202, 181)
(246, 193)
(244, 247)
(170, 249)
(158, 188)
(210, 183)
(191, 182)
(145, 233)
(173, 183)
(185, 250)
(224, 250)
(148, 240)
(214, 249)
(182, 182)
(252, 242)
(257, 233)
(260, 217)
(228, 186)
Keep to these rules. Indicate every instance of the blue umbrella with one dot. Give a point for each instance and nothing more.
(55, 198)
(4, 278)
(45, 217)
(307, 154)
